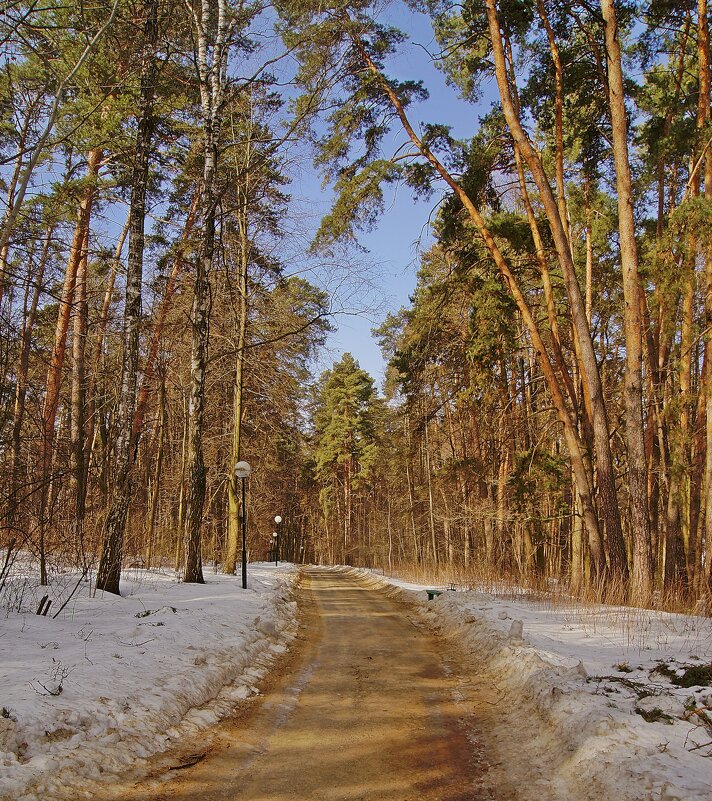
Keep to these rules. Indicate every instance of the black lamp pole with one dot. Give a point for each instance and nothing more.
(275, 538)
(242, 471)
(244, 537)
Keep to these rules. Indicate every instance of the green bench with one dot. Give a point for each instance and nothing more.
(434, 593)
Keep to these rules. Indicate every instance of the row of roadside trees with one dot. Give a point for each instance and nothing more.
(549, 408)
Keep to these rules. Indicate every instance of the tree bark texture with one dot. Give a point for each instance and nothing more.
(109, 573)
(617, 563)
(642, 583)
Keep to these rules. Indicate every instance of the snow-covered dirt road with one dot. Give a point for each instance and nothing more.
(364, 709)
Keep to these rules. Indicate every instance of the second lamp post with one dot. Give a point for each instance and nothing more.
(275, 539)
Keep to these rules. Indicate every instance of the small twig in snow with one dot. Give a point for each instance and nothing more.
(704, 745)
(137, 644)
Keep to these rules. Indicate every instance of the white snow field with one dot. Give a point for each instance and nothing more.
(114, 680)
(111, 681)
(589, 691)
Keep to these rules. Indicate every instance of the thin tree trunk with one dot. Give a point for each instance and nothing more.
(431, 505)
(99, 337)
(109, 572)
(21, 385)
(56, 364)
(610, 511)
(180, 522)
(78, 394)
(411, 494)
(577, 574)
(546, 281)
(642, 585)
(156, 482)
(558, 118)
(233, 533)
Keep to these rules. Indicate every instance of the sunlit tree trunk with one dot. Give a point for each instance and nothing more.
(233, 532)
(642, 583)
(609, 508)
(155, 487)
(705, 112)
(109, 572)
(211, 63)
(78, 395)
(56, 364)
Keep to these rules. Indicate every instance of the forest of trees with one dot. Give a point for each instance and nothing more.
(548, 399)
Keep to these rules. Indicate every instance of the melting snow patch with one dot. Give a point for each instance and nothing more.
(114, 680)
(600, 703)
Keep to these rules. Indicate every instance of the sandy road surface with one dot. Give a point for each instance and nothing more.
(362, 711)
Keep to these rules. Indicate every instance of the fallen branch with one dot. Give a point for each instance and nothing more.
(71, 594)
(189, 761)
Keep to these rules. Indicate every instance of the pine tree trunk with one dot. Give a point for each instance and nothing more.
(558, 118)
(577, 574)
(411, 493)
(180, 517)
(54, 373)
(431, 502)
(156, 482)
(233, 532)
(642, 583)
(109, 572)
(617, 564)
(704, 117)
(78, 395)
(196, 474)
(211, 63)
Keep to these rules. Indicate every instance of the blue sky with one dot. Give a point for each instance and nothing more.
(403, 231)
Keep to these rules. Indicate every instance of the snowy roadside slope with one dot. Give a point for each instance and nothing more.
(573, 686)
(136, 673)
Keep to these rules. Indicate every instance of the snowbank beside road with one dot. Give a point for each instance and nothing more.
(591, 702)
(585, 704)
(113, 680)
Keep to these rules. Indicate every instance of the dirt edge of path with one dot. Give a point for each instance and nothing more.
(517, 704)
(160, 777)
(150, 774)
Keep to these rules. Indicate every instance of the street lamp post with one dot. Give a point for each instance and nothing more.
(242, 471)
(275, 539)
